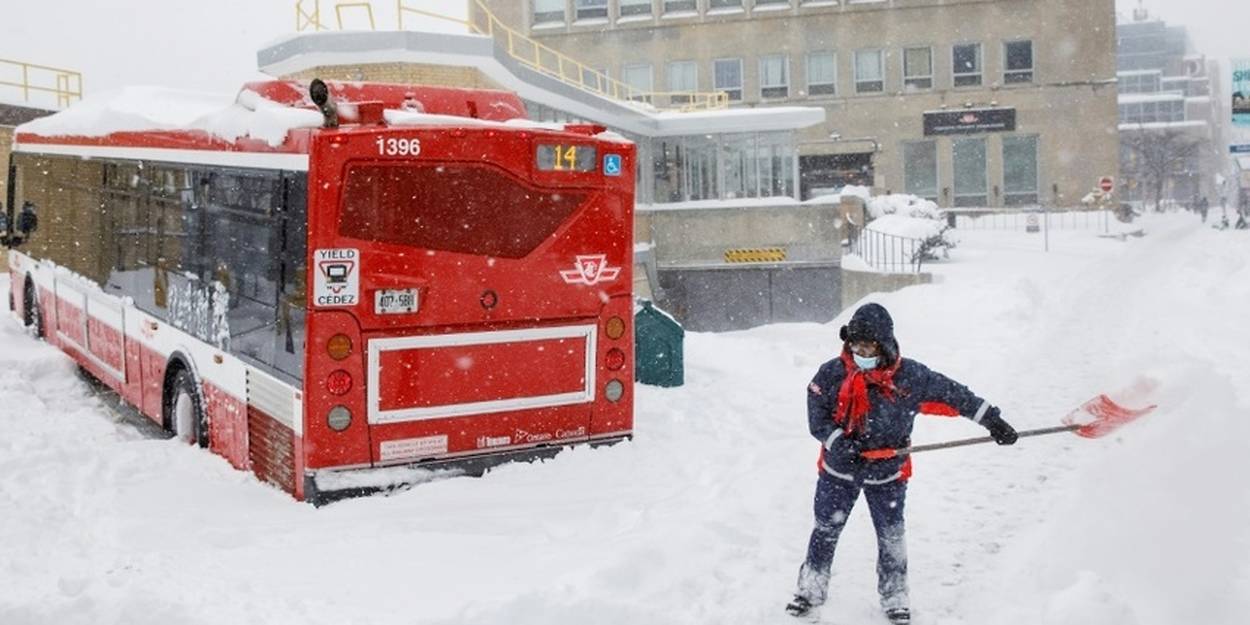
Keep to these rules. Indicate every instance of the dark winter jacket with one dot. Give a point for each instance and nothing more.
(917, 389)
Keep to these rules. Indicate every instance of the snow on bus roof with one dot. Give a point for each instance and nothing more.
(135, 109)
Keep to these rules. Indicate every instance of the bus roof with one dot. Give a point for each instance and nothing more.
(266, 116)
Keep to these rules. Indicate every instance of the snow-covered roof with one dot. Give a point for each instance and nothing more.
(134, 109)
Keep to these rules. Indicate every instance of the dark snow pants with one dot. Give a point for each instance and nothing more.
(834, 499)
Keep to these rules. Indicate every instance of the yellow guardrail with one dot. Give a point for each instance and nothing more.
(527, 51)
(31, 79)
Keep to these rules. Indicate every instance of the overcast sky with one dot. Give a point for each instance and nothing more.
(211, 46)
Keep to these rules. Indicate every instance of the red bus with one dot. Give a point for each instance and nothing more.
(323, 283)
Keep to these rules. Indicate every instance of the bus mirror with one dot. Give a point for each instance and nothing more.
(320, 94)
(27, 220)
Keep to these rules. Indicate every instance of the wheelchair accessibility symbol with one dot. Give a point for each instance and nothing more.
(612, 164)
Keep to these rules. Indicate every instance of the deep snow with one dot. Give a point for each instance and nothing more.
(703, 518)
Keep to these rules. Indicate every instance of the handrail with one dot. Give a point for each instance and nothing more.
(67, 84)
(533, 54)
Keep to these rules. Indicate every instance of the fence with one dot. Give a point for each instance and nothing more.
(886, 252)
(1009, 219)
(40, 85)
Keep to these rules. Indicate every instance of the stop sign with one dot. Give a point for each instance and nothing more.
(1106, 184)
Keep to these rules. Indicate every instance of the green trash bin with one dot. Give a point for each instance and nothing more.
(658, 347)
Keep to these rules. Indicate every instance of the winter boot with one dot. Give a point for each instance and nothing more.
(800, 607)
(898, 616)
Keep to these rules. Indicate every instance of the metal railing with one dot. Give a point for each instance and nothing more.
(525, 50)
(30, 79)
(888, 253)
(1015, 219)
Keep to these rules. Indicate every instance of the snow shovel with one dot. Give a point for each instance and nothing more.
(1108, 417)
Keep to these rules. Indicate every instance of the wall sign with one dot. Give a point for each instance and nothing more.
(969, 121)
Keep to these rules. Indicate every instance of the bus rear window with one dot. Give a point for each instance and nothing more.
(452, 207)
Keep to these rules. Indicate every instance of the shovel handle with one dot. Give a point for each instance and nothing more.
(882, 454)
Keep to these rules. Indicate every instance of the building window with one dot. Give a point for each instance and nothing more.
(548, 11)
(727, 77)
(970, 172)
(869, 71)
(822, 73)
(638, 78)
(774, 77)
(590, 9)
(920, 169)
(966, 64)
(680, 6)
(760, 3)
(917, 69)
(1019, 171)
(1019, 56)
(683, 80)
(635, 7)
(724, 4)
(1153, 111)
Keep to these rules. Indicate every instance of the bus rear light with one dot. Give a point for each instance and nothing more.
(615, 359)
(339, 346)
(339, 418)
(615, 328)
(614, 390)
(339, 382)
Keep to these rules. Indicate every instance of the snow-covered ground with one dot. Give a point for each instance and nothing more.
(704, 517)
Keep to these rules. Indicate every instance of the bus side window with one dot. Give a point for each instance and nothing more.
(239, 240)
(289, 346)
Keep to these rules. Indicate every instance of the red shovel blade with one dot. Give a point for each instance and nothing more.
(1108, 416)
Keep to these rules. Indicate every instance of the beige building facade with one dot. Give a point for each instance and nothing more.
(966, 102)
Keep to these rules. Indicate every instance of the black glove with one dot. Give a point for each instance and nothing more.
(1002, 431)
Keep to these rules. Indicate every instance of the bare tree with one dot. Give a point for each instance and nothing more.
(1157, 156)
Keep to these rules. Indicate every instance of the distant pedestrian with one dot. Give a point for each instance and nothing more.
(867, 398)
(1203, 207)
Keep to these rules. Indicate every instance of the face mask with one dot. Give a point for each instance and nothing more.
(866, 363)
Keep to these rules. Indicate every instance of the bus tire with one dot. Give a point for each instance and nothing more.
(32, 316)
(184, 409)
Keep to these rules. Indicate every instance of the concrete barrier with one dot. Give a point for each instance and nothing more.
(857, 285)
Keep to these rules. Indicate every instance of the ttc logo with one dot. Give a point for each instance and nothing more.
(590, 269)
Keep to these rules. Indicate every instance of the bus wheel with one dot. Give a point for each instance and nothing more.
(184, 410)
(31, 314)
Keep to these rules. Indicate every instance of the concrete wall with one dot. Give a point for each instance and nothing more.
(714, 299)
(1070, 105)
(706, 293)
(700, 236)
(858, 284)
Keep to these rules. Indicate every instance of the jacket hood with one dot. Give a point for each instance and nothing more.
(872, 322)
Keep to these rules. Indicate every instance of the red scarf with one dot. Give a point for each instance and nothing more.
(853, 396)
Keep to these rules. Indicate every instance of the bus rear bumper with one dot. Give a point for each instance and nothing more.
(325, 486)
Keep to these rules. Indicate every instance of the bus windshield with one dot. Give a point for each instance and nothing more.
(454, 207)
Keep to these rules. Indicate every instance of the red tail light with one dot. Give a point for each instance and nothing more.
(615, 359)
(339, 382)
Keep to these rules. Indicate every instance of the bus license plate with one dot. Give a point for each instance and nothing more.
(395, 301)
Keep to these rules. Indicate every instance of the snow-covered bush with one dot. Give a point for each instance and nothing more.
(904, 205)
